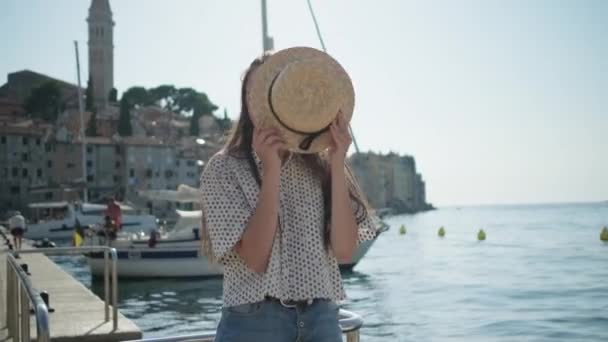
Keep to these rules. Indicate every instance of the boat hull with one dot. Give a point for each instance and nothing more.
(148, 263)
(172, 260)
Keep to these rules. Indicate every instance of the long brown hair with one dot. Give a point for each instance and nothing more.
(239, 145)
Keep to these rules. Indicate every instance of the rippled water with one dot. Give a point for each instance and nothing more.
(541, 275)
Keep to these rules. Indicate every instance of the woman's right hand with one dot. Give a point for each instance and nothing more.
(267, 143)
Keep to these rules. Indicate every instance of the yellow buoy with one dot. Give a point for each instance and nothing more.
(481, 235)
(402, 230)
(604, 234)
(441, 232)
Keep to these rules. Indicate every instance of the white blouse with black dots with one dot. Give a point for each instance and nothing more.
(300, 267)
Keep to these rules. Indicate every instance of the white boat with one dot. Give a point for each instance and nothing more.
(56, 220)
(175, 254)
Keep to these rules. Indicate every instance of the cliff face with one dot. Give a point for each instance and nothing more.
(390, 181)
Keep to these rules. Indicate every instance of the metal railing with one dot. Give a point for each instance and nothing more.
(350, 323)
(19, 295)
(108, 253)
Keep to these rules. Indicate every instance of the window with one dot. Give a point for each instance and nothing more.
(149, 173)
(24, 173)
(24, 157)
(117, 149)
(15, 172)
(5, 172)
(190, 163)
(70, 165)
(177, 163)
(117, 178)
(3, 139)
(89, 149)
(117, 165)
(90, 178)
(39, 173)
(190, 174)
(157, 174)
(168, 174)
(49, 164)
(131, 173)
(37, 141)
(48, 196)
(15, 190)
(89, 163)
(47, 147)
(25, 140)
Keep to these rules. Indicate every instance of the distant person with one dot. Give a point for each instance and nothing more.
(281, 208)
(17, 227)
(114, 212)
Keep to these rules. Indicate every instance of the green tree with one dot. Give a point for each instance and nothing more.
(124, 120)
(44, 102)
(164, 96)
(91, 130)
(138, 96)
(200, 106)
(113, 95)
(89, 97)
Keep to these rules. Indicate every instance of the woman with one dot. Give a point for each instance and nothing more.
(280, 222)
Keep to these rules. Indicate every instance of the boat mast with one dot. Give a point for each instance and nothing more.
(314, 19)
(267, 41)
(85, 194)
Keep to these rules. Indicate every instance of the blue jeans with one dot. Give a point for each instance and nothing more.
(270, 321)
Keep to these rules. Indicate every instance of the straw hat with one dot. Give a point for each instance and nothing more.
(300, 91)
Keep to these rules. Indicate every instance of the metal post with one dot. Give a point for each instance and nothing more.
(85, 194)
(114, 288)
(25, 316)
(9, 298)
(16, 308)
(106, 284)
(352, 336)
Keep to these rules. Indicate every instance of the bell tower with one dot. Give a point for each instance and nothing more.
(101, 51)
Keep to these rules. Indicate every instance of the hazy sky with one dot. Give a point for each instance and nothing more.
(498, 101)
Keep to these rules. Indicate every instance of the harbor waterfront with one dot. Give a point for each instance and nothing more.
(540, 275)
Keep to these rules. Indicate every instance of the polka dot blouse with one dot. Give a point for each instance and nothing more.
(300, 267)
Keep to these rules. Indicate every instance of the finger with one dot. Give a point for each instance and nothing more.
(263, 134)
(272, 139)
(270, 136)
(278, 145)
(343, 122)
(335, 135)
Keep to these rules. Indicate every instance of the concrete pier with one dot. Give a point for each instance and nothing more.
(79, 314)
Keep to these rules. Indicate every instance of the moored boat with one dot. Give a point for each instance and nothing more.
(56, 220)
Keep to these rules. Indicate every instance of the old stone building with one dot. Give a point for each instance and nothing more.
(390, 181)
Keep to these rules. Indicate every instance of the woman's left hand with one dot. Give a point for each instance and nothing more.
(341, 141)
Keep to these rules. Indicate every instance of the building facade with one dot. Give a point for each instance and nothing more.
(390, 181)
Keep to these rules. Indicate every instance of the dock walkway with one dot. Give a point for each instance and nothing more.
(79, 314)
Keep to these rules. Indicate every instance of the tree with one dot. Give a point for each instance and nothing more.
(164, 96)
(91, 130)
(45, 102)
(200, 106)
(138, 96)
(89, 97)
(124, 120)
(113, 95)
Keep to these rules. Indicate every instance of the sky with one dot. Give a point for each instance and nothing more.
(498, 101)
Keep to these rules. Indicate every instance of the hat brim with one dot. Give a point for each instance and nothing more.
(260, 83)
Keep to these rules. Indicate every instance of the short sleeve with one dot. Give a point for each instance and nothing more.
(366, 221)
(225, 208)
